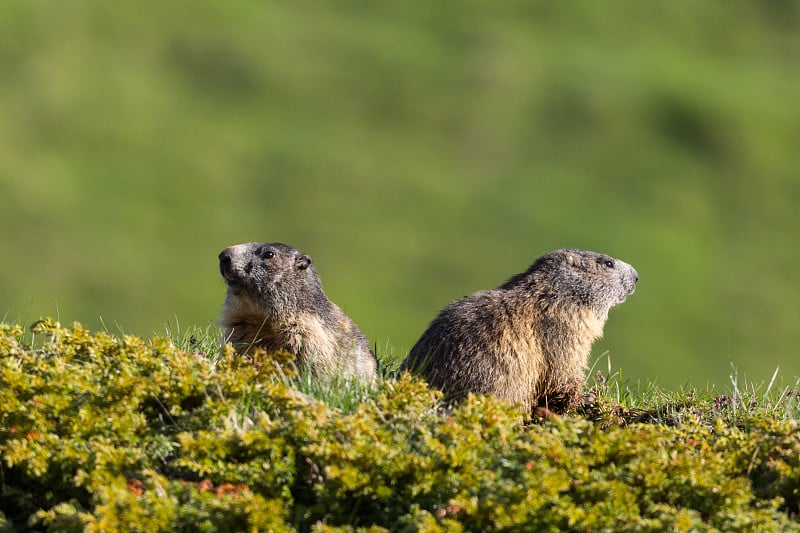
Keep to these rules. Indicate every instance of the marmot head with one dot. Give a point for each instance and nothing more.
(583, 278)
(269, 274)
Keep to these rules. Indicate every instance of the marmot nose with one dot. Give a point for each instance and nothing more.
(225, 261)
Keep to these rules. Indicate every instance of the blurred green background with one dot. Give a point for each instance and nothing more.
(418, 153)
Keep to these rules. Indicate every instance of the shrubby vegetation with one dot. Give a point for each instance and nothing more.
(103, 433)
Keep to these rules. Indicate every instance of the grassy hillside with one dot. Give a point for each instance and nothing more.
(105, 433)
(417, 154)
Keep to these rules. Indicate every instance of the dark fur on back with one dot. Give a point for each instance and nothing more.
(527, 341)
(275, 301)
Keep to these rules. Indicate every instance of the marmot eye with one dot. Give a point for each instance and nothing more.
(608, 263)
(269, 254)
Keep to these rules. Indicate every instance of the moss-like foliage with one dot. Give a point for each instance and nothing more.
(101, 433)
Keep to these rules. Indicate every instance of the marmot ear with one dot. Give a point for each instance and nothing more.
(575, 260)
(302, 261)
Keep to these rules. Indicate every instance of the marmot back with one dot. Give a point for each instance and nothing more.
(527, 341)
(275, 301)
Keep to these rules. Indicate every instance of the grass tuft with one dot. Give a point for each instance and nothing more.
(620, 402)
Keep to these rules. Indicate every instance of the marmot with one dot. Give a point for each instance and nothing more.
(527, 341)
(275, 301)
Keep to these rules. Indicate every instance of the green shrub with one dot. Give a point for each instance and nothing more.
(101, 433)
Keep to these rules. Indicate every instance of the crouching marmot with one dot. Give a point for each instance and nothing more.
(275, 301)
(527, 341)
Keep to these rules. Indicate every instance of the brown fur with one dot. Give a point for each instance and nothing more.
(527, 341)
(275, 301)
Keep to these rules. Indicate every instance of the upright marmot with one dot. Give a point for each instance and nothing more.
(275, 301)
(527, 341)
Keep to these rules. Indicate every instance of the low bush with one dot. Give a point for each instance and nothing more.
(104, 433)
